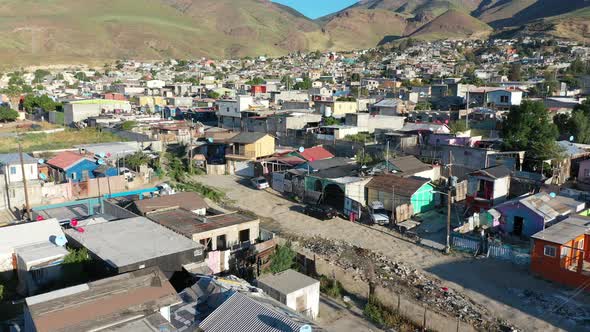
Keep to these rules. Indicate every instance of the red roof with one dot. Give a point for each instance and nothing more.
(64, 159)
(316, 153)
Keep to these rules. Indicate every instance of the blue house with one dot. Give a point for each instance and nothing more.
(73, 166)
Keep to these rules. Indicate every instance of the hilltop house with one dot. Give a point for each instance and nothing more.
(73, 166)
(488, 187)
(250, 146)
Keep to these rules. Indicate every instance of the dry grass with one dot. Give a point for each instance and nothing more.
(61, 140)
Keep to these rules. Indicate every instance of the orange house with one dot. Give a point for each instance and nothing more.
(561, 253)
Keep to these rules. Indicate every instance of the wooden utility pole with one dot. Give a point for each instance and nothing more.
(449, 201)
(22, 167)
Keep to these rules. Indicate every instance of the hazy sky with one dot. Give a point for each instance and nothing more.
(317, 8)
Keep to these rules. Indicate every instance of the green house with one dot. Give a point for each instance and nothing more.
(392, 191)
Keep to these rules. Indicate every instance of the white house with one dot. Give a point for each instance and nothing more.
(230, 110)
(297, 291)
(504, 98)
(10, 166)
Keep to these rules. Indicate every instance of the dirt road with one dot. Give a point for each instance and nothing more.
(506, 290)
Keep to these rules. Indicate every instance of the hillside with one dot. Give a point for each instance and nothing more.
(452, 24)
(503, 13)
(363, 28)
(95, 30)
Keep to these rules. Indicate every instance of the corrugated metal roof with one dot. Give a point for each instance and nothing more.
(565, 230)
(14, 158)
(241, 313)
(403, 186)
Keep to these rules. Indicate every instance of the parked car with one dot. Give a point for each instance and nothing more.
(260, 183)
(321, 212)
(378, 213)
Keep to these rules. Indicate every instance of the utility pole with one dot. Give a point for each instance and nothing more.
(393, 204)
(22, 167)
(387, 156)
(467, 110)
(190, 148)
(449, 202)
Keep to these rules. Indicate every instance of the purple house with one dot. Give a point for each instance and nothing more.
(529, 215)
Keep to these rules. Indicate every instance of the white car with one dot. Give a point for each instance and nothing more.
(260, 183)
(379, 215)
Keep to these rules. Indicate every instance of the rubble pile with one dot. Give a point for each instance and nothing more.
(559, 304)
(401, 278)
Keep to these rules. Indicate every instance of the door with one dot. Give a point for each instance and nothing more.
(518, 225)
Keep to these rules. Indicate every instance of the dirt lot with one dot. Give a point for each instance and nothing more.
(506, 290)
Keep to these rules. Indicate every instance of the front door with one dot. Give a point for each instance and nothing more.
(518, 225)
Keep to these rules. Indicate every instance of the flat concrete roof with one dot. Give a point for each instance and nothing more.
(287, 282)
(40, 252)
(131, 241)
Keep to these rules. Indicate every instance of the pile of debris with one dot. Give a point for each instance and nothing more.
(367, 265)
(560, 304)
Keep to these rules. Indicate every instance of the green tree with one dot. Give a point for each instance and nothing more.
(458, 126)
(305, 84)
(40, 74)
(128, 125)
(213, 95)
(288, 81)
(423, 106)
(81, 76)
(44, 102)
(136, 160)
(7, 114)
(282, 259)
(515, 72)
(256, 81)
(528, 127)
(330, 121)
(577, 124)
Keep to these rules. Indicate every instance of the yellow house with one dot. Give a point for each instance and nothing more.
(251, 146)
(151, 101)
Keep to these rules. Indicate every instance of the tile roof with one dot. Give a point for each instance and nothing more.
(403, 186)
(316, 153)
(65, 159)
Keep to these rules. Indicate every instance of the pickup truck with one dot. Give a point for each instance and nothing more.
(378, 213)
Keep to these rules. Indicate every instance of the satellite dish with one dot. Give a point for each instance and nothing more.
(571, 138)
(552, 195)
(60, 240)
(101, 154)
(43, 176)
(100, 162)
(301, 149)
(305, 328)
(210, 139)
(40, 161)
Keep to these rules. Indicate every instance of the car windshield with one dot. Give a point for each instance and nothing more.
(379, 211)
(261, 181)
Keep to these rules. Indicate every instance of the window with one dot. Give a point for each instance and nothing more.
(565, 251)
(550, 251)
(244, 235)
(503, 99)
(13, 170)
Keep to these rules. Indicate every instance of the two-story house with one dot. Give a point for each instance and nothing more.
(12, 193)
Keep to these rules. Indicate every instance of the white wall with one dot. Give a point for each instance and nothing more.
(312, 294)
(15, 173)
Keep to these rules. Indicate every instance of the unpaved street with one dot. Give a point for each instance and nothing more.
(506, 290)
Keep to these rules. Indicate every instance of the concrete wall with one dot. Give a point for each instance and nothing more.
(79, 112)
(231, 233)
(312, 299)
(14, 172)
(102, 186)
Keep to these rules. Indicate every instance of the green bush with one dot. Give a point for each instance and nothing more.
(282, 259)
(385, 316)
(331, 287)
